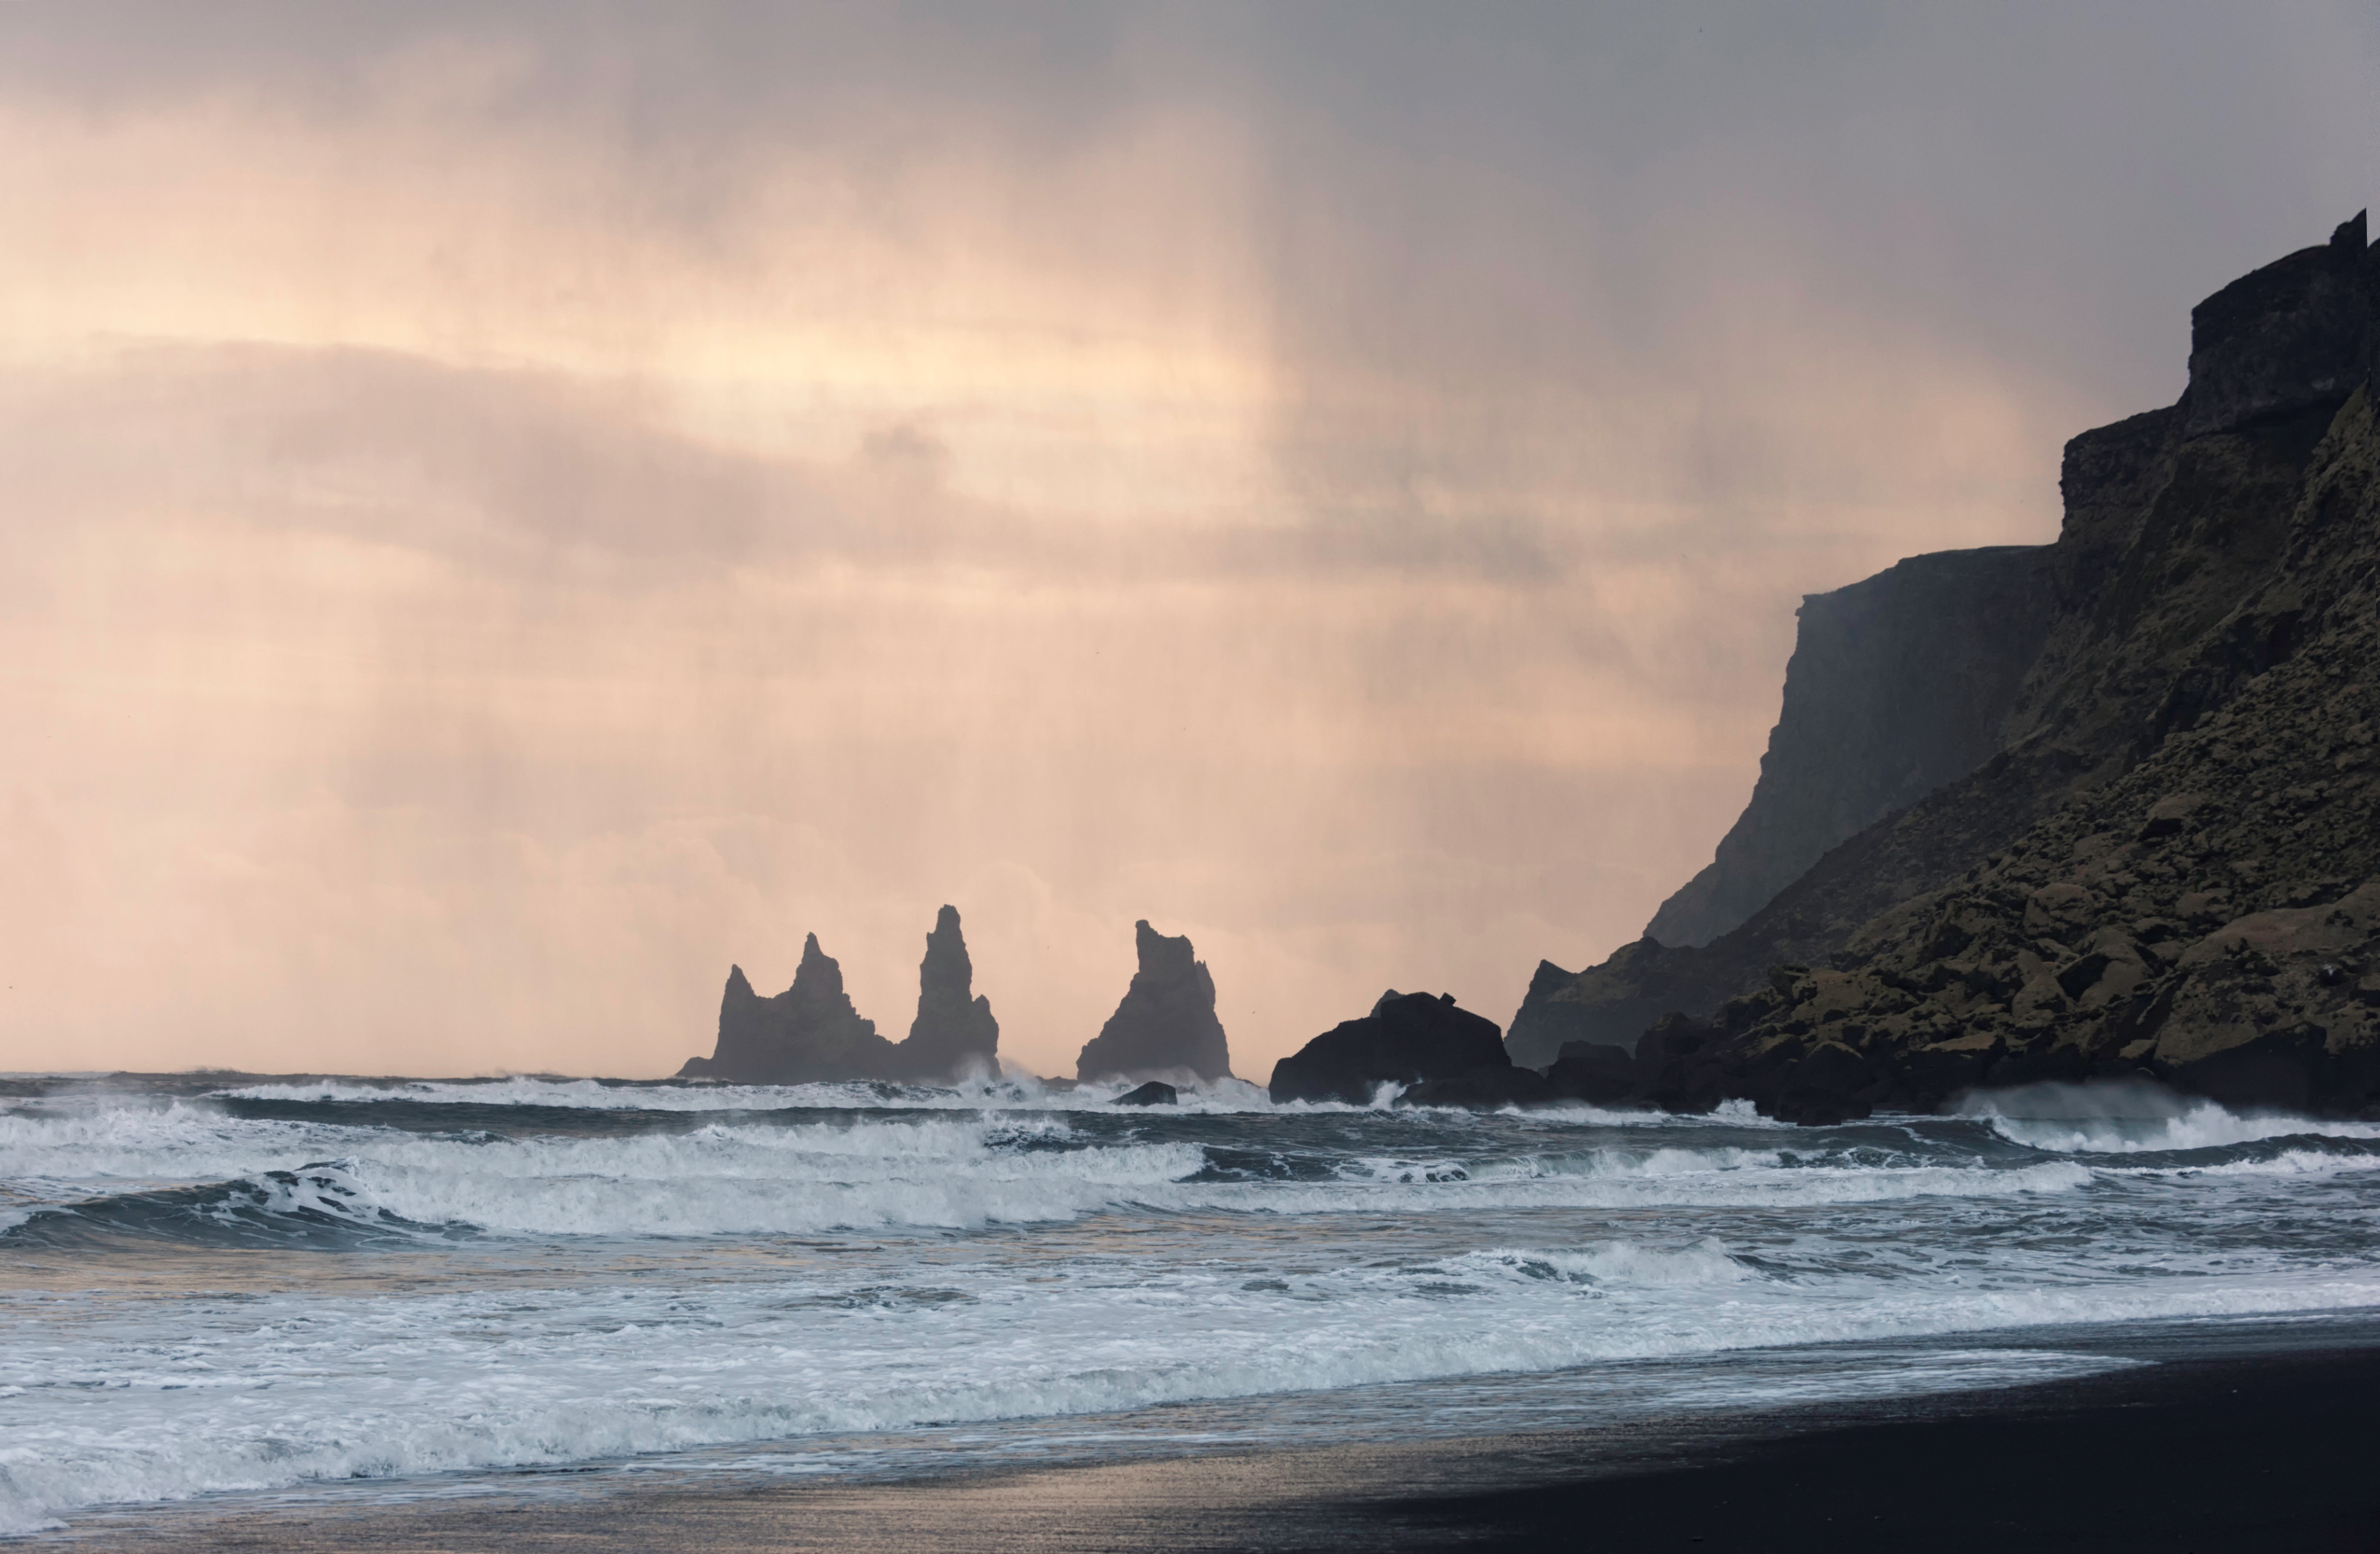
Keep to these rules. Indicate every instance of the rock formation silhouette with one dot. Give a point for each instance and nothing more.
(2165, 869)
(1446, 1056)
(953, 1032)
(811, 1033)
(1166, 1021)
(808, 1033)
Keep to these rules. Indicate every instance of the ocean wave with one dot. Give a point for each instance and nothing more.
(2135, 1117)
(154, 1173)
(141, 1405)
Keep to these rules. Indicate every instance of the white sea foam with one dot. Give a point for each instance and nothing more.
(877, 1268)
(2134, 1117)
(136, 1405)
(927, 1172)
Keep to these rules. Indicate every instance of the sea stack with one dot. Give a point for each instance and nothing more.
(953, 1032)
(807, 1033)
(1448, 1056)
(1166, 1021)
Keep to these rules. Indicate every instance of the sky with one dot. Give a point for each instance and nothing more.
(508, 508)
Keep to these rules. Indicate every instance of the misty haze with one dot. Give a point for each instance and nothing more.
(1127, 776)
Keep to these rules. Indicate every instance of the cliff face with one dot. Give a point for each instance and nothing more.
(2161, 869)
(1166, 1021)
(1897, 685)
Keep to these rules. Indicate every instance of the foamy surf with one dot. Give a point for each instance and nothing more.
(277, 1285)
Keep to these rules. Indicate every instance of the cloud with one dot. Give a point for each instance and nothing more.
(514, 507)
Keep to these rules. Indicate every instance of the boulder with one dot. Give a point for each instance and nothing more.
(1155, 1093)
(1594, 1072)
(1166, 1021)
(1408, 1039)
(1485, 1088)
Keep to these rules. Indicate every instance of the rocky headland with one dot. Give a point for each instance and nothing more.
(1166, 1022)
(811, 1032)
(2133, 832)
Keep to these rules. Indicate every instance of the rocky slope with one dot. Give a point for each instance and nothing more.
(1166, 1021)
(2210, 918)
(2192, 537)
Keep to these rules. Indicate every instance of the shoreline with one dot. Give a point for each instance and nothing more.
(2260, 1446)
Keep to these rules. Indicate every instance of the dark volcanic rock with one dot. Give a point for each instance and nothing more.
(1166, 1021)
(1155, 1093)
(1596, 1073)
(808, 1033)
(2295, 334)
(2205, 913)
(1897, 685)
(953, 1032)
(1484, 1089)
(1408, 1039)
(2207, 550)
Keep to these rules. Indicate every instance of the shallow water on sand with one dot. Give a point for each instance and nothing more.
(222, 1288)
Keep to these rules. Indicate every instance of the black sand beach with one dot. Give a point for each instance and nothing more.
(2270, 1449)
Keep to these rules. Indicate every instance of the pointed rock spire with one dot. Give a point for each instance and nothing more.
(807, 1033)
(1166, 1021)
(954, 1031)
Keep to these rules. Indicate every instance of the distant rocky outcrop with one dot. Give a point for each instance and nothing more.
(953, 1033)
(1166, 1021)
(811, 1033)
(1412, 1040)
(2167, 865)
(806, 1034)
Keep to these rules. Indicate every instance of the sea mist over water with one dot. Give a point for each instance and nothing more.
(222, 1288)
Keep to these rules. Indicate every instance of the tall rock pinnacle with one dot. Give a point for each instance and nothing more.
(1166, 1021)
(954, 1031)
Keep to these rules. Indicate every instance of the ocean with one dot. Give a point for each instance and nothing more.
(221, 1292)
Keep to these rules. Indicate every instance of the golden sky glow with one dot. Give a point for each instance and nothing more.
(495, 533)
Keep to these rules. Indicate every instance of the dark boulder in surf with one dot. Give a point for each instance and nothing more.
(1596, 1073)
(1166, 1021)
(1408, 1039)
(1156, 1092)
(1485, 1088)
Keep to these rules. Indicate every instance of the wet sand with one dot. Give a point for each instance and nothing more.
(2271, 1452)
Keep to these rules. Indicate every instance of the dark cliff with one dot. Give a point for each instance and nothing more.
(2163, 867)
(1897, 685)
(1166, 1021)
